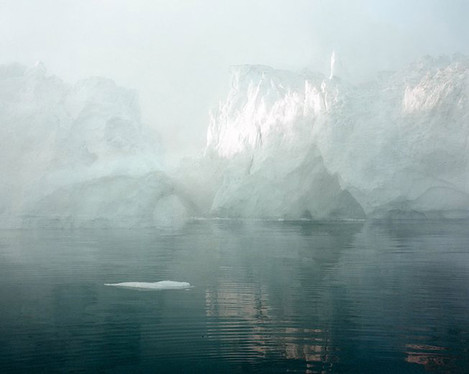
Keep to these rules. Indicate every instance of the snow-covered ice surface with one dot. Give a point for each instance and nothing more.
(157, 286)
(299, 145)
(77, 155)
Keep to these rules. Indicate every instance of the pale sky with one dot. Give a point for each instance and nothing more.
(176, 53)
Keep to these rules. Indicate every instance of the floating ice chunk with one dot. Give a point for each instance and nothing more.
(162, 285)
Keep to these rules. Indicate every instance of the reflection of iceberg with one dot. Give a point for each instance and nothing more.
(162, 285)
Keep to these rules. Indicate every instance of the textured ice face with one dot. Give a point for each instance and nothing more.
(400, 145)
(302, 145)
(274, 169)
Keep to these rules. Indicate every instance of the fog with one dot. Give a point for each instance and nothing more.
(233, 110)
(288, 182)
(176, 53)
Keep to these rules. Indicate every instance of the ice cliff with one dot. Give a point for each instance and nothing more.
(282, 145)
(78, 155)
(295, 145)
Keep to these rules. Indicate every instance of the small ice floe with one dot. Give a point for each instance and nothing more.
(162, 285)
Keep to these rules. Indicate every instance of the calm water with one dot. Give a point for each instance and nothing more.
(269, 297)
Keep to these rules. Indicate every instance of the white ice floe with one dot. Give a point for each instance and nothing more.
(162, 285)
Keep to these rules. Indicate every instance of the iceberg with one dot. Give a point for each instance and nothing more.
(156, 286)
(78, 155)
(301, 145)
(282, 145)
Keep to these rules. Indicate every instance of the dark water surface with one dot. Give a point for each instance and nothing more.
(269, 297)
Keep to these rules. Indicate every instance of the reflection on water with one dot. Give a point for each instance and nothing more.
(268, 296)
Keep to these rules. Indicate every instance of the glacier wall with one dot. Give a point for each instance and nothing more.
(299, 145)
(282, 145)
(78, 155)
